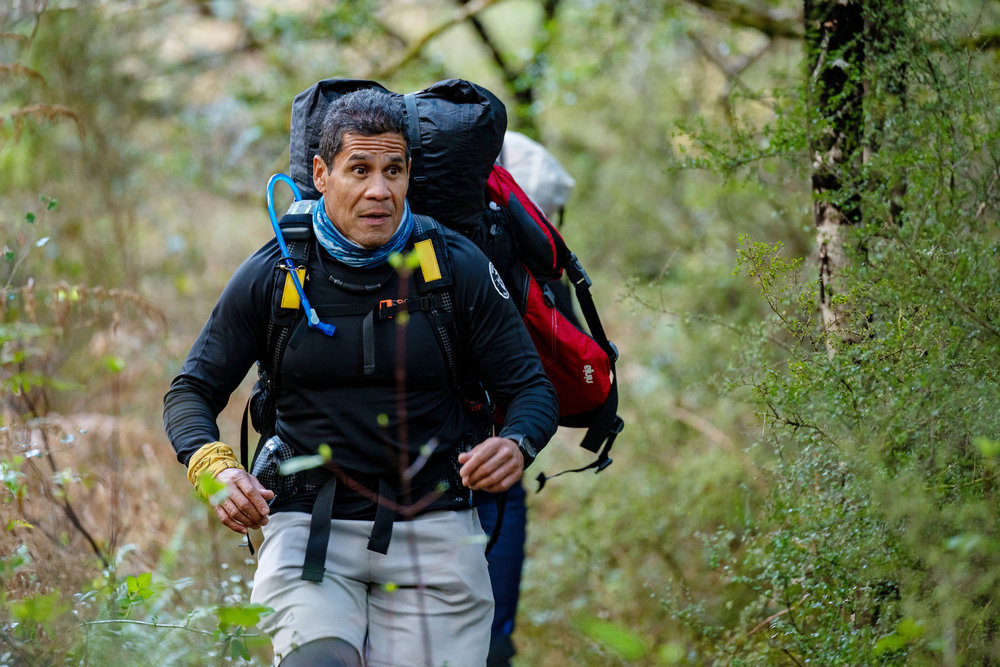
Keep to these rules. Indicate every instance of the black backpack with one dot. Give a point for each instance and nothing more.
(456, 130)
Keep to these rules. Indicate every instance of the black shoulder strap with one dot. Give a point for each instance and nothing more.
(296, 228)
(418, 184)
(434, 279)
(604, 424)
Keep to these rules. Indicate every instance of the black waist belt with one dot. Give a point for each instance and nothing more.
(314, 565)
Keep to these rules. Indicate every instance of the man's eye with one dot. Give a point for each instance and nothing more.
(360, 171)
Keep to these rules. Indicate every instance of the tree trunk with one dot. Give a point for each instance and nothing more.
(835, 56)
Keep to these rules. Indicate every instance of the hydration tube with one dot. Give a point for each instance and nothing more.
(312, 319)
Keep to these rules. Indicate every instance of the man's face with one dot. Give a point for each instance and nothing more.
(365, 187)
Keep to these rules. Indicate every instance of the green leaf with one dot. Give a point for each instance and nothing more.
(616, 638)
(907, 631)
(114, 364)
(41, 609)
(211, 489)
(241, 615)
(300, 463)
(29, 217)
(145, 579)
(672, 653)
(412, 260)
(239, 649)
(910, 628)
(888, 643)
(987, 447)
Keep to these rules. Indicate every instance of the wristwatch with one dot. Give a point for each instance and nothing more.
(524, 444)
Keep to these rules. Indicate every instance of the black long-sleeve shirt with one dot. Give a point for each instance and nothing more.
(378, 423)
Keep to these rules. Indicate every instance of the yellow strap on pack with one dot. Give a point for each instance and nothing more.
(290, 295)
(428, 260)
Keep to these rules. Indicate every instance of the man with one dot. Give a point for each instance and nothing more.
(402, 578)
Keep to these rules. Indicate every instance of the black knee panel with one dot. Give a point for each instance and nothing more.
(328, 652)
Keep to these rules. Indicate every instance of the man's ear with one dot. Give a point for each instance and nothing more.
(319, 174)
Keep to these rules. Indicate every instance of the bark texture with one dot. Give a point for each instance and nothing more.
(834, 42)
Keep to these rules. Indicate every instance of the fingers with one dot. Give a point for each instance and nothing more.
(493, 465)
(246, 505)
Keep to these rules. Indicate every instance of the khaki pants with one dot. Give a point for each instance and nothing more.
(427, 602)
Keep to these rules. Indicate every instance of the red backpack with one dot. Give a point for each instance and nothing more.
(581, 366)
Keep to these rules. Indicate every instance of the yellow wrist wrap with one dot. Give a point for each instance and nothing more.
(213, 457)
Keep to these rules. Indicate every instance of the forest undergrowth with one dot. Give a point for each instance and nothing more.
(783, 493)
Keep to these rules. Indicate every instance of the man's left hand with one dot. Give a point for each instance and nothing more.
(493, 465)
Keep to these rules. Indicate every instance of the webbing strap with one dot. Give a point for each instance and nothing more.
(385, 515)
(606, 424)
(602, 461)
(581, 283)
(368, 342)
(495, 534)
(344, 310)
(418, 182)
(603, 421)
(244, 442)
(319, 533)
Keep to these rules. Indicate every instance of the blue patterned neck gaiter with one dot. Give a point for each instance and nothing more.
(350, 253)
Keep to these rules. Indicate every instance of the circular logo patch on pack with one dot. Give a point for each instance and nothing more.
(498, 282)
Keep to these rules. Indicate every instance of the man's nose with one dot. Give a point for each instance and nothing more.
(378, 187)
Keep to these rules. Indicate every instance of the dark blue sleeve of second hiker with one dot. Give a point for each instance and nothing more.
(500, 348)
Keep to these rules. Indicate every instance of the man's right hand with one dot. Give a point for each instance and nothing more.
(246, 505)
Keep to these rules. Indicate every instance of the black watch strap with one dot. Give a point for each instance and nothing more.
(525, 445)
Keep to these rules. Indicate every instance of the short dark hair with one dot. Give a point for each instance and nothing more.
(366, 112)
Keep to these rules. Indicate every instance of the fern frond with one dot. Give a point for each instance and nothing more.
(43, 112)
(17, 69)
(14, 37)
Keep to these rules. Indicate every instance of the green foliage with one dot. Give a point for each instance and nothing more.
(100, 624)
(622, 641)
(877, 538)
(780, 495)
(210, 489)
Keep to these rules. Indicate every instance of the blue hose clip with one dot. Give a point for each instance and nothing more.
(312, 319)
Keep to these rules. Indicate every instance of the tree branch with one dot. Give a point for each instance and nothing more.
(773, 23)
(417, 46)
(509, 74)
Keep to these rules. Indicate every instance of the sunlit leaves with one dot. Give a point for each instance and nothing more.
(38, 611)
(211, 489)
(233, 621)
(622, 641)
(13, 478)
(138, 589)
(308, 462)
(247, 615)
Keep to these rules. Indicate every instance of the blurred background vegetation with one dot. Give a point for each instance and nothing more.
(791, 487)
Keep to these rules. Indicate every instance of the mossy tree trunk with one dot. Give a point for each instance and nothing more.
(834, 31)
(848, 45)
